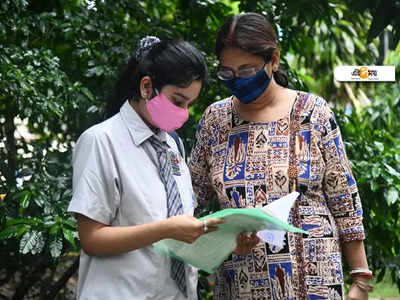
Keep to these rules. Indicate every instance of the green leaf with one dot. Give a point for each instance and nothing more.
(95, 71)
(11, 231)
(392, 195)
(379, 146)
(374, 186)
(54, 229)
(70, 224)
(87, 93)
(392, 171)
(69, 236)
(381, 275)
(376, 171)
(56, 246)
(349, 43)
(25, 200)
(31, 241)
(28, 221)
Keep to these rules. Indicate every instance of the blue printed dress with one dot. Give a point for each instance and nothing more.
(246, 165)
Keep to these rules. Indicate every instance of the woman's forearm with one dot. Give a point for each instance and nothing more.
(354, 253)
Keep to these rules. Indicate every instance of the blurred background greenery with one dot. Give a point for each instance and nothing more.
(58, 62)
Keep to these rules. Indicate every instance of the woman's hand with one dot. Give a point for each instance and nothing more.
(356, 259)
(356, 293)
(187, 228)
(245, 243)
(360, 288)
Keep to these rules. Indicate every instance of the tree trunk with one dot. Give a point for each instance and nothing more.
(11, 147)
(27, 281)
(53, 290)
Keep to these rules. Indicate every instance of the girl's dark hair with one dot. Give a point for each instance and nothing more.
(252, 33)
(172, 62)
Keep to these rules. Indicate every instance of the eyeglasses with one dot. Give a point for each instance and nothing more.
(228, 74)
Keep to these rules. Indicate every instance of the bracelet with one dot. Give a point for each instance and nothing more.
(367, 287)
(368, 275)
(361, 272)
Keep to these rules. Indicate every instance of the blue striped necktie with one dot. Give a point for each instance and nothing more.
(174, 205)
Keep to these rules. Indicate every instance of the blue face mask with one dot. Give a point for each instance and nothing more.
(249, 89)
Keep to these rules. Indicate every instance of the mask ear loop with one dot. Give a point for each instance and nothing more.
(153, 95)
(266, 70)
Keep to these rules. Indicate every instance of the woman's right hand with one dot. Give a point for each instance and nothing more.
(246, 242)
(187, 228)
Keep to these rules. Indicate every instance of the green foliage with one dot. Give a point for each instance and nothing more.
(385, 13)
(35, 229)
(373, 146)
(385, 289)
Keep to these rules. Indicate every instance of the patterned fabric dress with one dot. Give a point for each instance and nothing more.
(246, 164)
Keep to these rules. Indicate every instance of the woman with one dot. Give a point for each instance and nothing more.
(131, 186)
(262, 143)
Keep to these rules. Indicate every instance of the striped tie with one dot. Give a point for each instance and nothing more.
(174, 205)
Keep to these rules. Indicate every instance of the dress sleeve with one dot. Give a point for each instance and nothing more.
(198, 164)
(339, 184)
(95, 184)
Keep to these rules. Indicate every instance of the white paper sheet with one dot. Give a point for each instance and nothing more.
(280, 209)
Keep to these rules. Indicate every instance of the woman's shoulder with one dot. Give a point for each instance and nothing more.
(313, 107)
(220, 105)
(218, 110)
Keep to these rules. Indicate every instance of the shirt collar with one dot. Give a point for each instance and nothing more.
(138, 129)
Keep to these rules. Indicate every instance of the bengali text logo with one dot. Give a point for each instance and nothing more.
(365, 73)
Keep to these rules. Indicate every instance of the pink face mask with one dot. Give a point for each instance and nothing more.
(166, 115)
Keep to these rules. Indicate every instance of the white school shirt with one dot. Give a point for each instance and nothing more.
(116, 182)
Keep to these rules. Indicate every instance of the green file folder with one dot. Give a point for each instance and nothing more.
(210, 250)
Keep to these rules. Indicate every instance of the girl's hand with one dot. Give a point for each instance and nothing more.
(245, 243)
(187, 228)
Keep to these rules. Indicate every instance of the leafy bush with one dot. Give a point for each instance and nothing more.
(372, 141)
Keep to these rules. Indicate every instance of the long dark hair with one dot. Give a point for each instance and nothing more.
(172, 62)
(252, 33)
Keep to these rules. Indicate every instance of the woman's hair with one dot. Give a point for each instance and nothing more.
(167, 62)
(251, 33)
